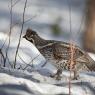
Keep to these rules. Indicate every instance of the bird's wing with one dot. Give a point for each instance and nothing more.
(63, 51)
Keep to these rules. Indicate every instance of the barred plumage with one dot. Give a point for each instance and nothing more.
(58, 53)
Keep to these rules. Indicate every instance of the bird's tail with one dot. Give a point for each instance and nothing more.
(91, 63)
(88, 61)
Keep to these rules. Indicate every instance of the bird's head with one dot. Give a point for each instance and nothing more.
(30, 35)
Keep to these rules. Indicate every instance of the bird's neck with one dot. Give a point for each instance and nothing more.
(39, 42)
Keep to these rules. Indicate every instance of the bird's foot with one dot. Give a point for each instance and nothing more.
(55, 76)
(75, 78)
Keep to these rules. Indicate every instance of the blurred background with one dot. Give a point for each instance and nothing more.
(61, 20)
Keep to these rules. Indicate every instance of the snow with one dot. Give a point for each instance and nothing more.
(38, 84)
(92, 56)
(35, 79)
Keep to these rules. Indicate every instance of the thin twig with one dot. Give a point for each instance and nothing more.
(4, 59)
(28, 64)
(9, 33)
(30, 19)
(20, 34)
(2, 55)
(44, 64)
(21, 59)
(24, 21)
(17, 1)
(3, 43)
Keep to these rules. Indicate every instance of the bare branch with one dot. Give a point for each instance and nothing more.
(24, 21)
(22, 59)
(20, 34)
(2, 55)
(9, 32)
(3, 44)
(28, 64)
(17, 1)
(30, 18)
(44, 64)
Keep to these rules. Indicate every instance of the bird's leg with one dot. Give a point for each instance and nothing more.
(77, 70)
(76, 75)
(57, 75)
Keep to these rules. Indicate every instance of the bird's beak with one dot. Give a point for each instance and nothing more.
(24, 36)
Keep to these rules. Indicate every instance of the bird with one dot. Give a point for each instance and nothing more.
(59, 54)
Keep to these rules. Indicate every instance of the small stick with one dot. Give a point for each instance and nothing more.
(20, 34)
(9, 33)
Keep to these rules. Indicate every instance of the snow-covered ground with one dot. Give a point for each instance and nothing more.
(19, 82)
(29, 78)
